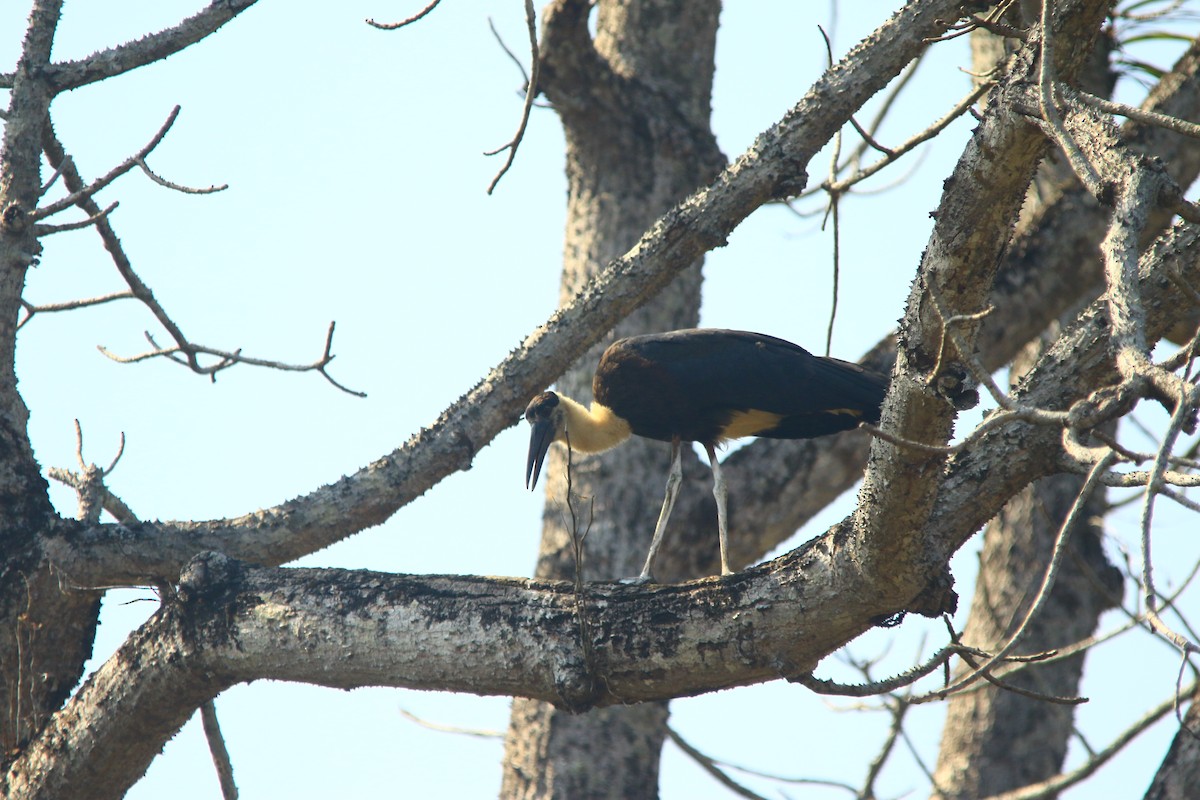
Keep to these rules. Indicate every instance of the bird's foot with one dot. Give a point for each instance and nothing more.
(640, 580)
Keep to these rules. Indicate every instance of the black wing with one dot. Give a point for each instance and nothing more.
(695, 383)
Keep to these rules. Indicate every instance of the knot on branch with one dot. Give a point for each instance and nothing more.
(14, 218)
(1105, 404)
(578, 690)
(205, 574)
(937, 599)
(954, 384)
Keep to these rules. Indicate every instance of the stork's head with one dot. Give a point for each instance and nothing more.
(547, 423)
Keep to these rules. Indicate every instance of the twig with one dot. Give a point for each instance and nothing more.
(868, 138)
(960, 108)
(1180, 126)
(50, 183)
(69, 305)
(216, 746)
(898, 707)
(88, 483)
(437, 726)
(530, 93)
(949, 333)
(161, 181)
(1079, 163)
(190, 351)
(391, 26)
(1016, 413)
(95, 186)
(710, 766)
(1060, 542)
(1000, 683)
(511, 55)
(987, 23)
(100, 216)
(59, 159)
(832, 210)
(906, 678)
(1053, 786)
(1183, 411)
(1126, 480)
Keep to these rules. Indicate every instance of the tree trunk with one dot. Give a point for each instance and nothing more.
(634, 103)
(49, 623)
(995, 740)
(1179, 774)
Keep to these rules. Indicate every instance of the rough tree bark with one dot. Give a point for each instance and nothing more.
(42, 658)
(1179, 774)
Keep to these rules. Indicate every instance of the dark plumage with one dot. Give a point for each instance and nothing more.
(706, 386)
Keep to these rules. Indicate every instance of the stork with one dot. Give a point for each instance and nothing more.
(703, 385)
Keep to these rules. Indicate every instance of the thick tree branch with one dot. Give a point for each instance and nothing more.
(779, 485)
(700, 223)
(239, 623)
(978, 481)
(970, 233)
(234, 622)
(154, 47)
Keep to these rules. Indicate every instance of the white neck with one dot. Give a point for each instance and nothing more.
(591, 430)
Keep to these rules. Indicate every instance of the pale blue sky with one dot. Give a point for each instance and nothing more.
(357, 194)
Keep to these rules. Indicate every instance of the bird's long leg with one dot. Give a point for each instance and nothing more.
(674, 477)
(722, 520)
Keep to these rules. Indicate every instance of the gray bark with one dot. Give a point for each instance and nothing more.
(1179, 774)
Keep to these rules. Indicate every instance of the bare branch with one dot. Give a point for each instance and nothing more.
(184, 351)
(95, 186)
(391, 26)
(525, 82)
(88, 483)
(896, 153)
(216, 745)
(161, 181)
(148, 49)
(437, 726)
(69, 305)
(94, 219)
(531, 92)
(897, 707)
(1054, 786)
(1051, 573)
(449, 443)
(50, 183)
(906, 678)
(1180, 126)
(1053, 119)
(709, 765)
(187, 353)
(1184, 411)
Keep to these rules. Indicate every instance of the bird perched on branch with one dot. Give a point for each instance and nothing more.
(706, 386)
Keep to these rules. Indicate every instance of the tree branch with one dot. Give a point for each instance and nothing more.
(146, 50)
(673, 243)
(233, 622)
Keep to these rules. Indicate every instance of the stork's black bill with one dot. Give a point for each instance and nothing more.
(540, 414)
